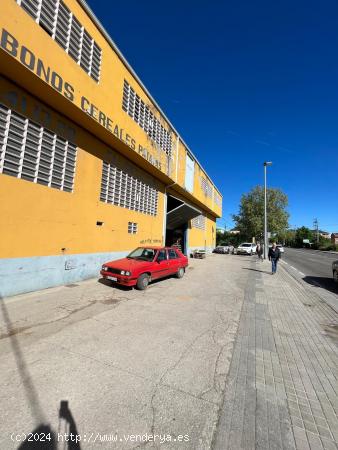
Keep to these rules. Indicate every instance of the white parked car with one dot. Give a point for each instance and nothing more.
(281, 248)
(247, 248)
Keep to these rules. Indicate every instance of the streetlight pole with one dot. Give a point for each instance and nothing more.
(266, 163)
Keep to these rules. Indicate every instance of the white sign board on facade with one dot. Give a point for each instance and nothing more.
(189, 173)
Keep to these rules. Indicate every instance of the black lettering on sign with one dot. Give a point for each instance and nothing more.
(69, 92)
(42, 72)
(102, 119)
(84, 104)
(57, 82)
(93, 111)
(116, 131)
(9, 43)
(27, 58)
(109, 124)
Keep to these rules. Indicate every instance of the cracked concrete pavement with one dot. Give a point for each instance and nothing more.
(229, 357)
(127, 362)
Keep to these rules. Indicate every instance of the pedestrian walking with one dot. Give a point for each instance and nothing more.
(274, 255)
(259, 251)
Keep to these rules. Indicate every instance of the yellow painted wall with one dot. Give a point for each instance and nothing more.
(37, 220)
(203, 238)
(106, 95)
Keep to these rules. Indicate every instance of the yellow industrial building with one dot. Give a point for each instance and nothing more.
(90, 167)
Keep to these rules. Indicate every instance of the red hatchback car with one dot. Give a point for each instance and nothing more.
(145, 264)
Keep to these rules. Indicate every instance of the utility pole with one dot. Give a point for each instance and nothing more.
(266, 163)
(316, 227)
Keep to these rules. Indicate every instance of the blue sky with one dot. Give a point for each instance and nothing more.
(244, 82)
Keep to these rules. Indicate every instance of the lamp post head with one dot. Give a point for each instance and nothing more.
(267, 163)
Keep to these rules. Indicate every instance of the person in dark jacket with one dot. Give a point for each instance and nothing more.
(259, 251)
(274, 255)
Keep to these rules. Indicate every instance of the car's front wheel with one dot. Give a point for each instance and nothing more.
(180, 272)
(335, 276)
(142, 282)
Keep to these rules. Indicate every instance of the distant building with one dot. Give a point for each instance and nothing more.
(334, 238)
(324, 234)
(234, 231)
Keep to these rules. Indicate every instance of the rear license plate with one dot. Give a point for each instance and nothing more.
(112, 278)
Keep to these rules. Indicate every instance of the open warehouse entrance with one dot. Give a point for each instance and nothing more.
(179, 213)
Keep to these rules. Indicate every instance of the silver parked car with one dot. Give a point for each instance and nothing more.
(221, 249)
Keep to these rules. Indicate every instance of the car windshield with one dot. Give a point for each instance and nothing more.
(245, 245)
(143, 254)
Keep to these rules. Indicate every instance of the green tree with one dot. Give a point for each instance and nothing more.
(250, 219)
(289, 238)
(301, 234)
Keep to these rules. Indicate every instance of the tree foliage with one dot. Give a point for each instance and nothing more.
(303, 233)
(227, 238)
(250, 219)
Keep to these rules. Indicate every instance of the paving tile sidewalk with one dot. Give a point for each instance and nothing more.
(281, 390)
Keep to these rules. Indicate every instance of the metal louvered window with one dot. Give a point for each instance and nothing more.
(140, 112)
(61, 24)
(198, 222)
(206, 187)
(132, 227)
(121, 189)
(33, 153)
(218, 199)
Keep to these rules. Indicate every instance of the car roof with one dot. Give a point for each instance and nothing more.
(152, 247)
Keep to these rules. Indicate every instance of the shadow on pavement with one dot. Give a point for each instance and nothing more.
(112, 284)
(42, 437)
(130, 288)
(323, 282)
(256, 270)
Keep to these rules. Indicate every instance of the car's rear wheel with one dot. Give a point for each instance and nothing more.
(335, 276)
(142, 282)
(180, 272)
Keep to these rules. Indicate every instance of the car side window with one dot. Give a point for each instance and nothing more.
(162, 255)
(148, 254)
(172, 254)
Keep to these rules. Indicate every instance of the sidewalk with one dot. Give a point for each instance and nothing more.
(281, 390)
(229, 357)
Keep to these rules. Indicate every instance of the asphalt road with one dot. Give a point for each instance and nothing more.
(315, 266)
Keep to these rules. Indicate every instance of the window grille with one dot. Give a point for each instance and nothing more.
(61, 24)
(33, 153)
(206, 187)
(121, 189)
(198, 222)
(218, 199)
(135, 107)
(132, 227)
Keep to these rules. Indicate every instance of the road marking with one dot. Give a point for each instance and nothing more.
(294, 268)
